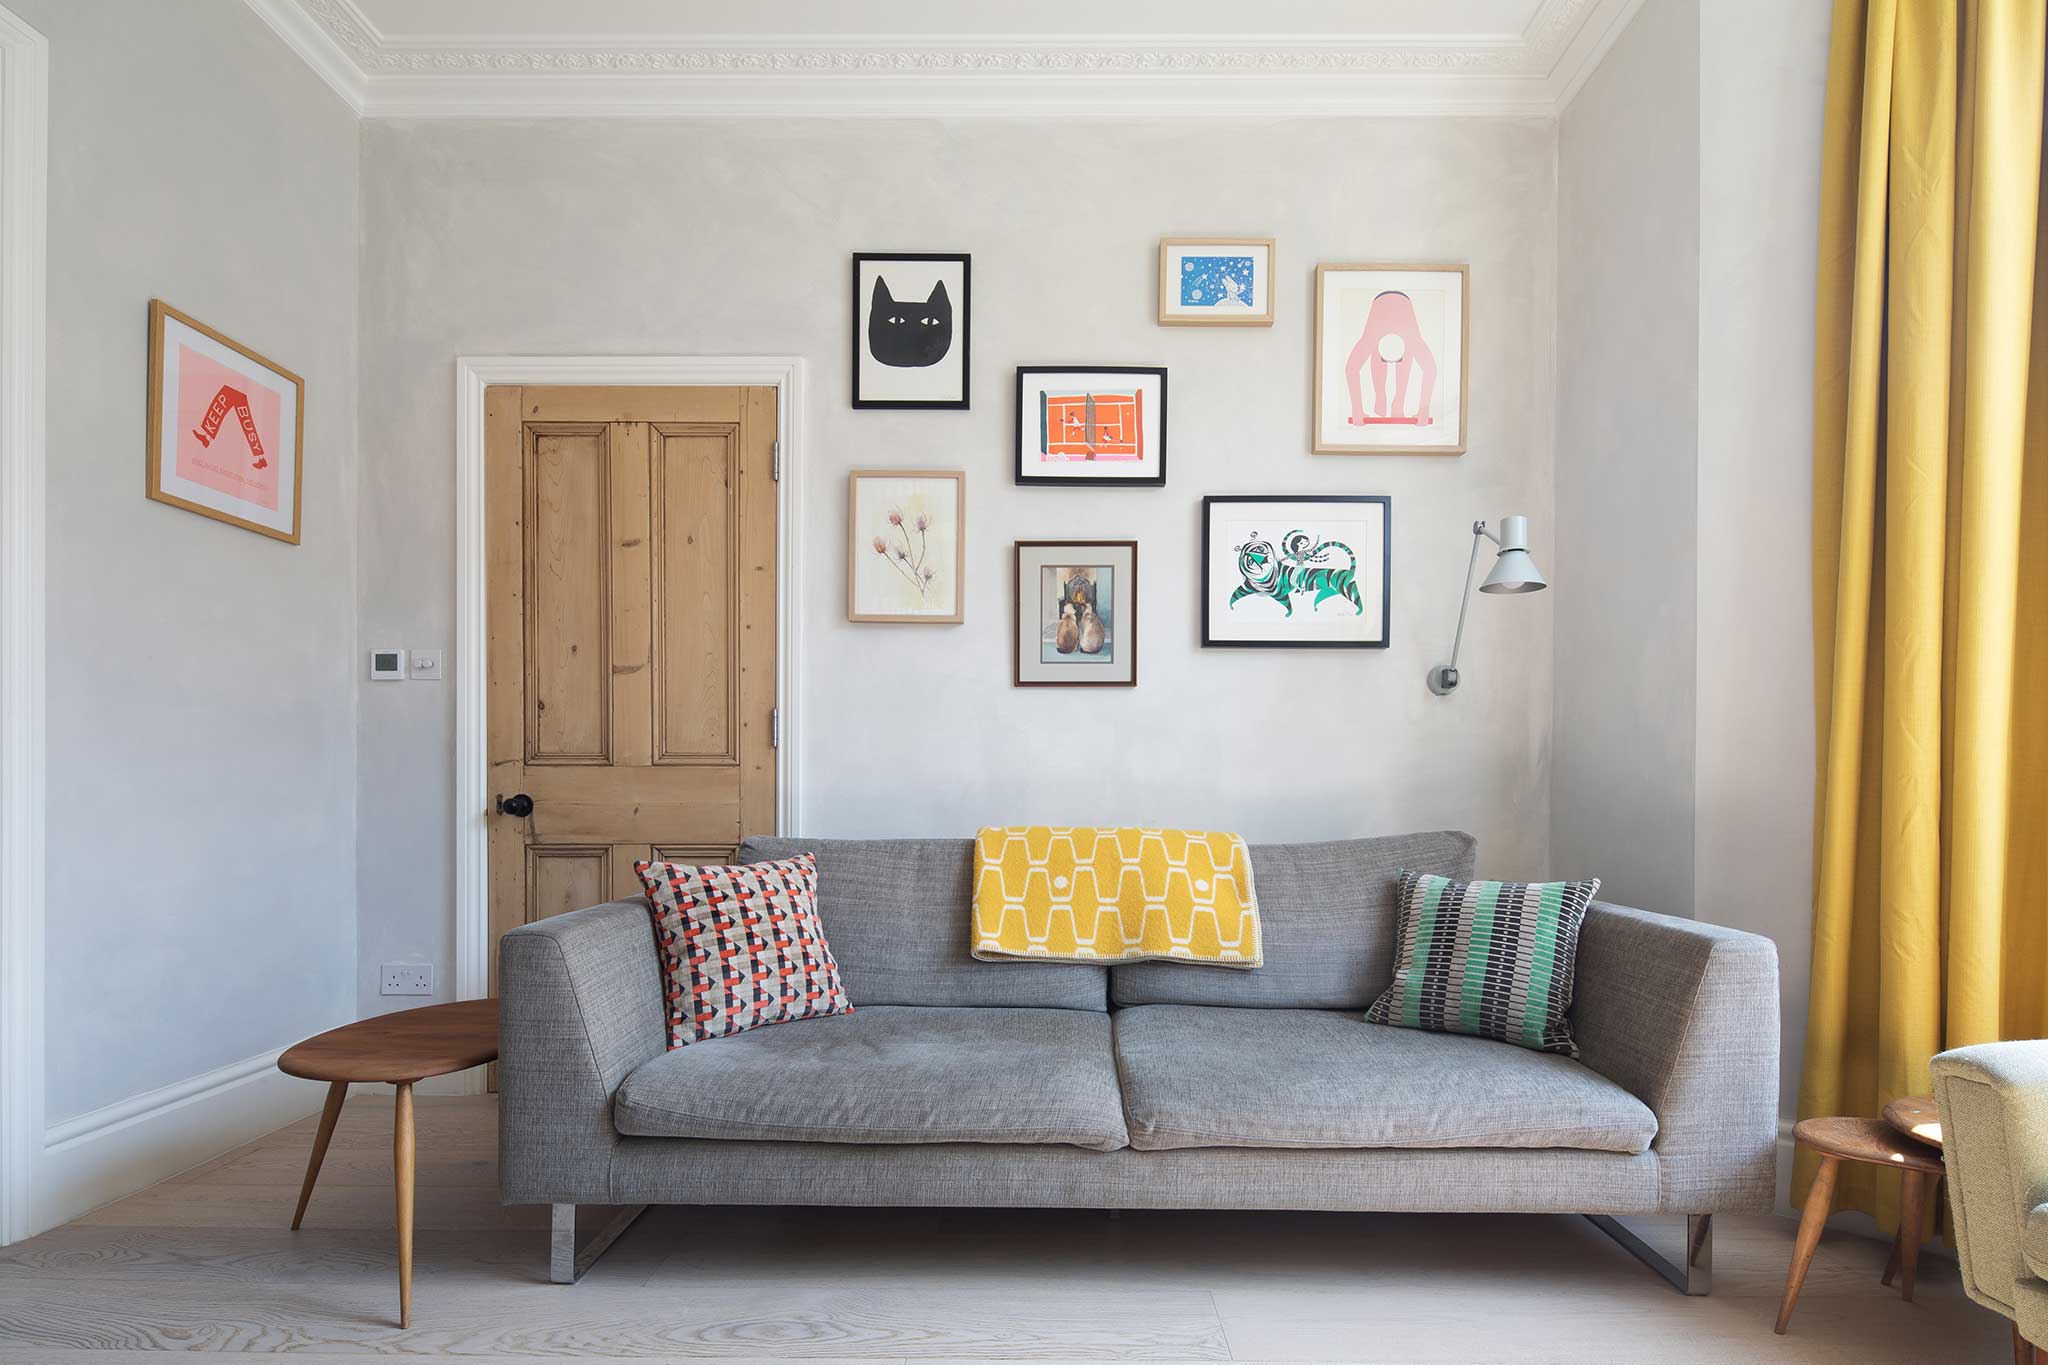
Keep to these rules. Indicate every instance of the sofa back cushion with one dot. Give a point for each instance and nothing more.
(896, 913)
(1330, 913)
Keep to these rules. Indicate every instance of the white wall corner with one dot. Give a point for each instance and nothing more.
(24, 263)
(1588, 48)
(317, 47)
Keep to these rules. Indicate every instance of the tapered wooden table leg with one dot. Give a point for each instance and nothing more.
(1819, 1201)
(1912, 1203)
(336, 1093)
(401, 1174)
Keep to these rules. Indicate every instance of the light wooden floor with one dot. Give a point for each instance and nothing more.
(205, 1263)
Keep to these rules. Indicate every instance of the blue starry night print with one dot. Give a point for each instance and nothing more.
(1216, 282)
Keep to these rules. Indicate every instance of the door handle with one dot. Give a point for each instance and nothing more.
(518, 805)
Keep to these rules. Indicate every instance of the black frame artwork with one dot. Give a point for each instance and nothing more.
(1386, 503)
(963, 311)
(1157, 480)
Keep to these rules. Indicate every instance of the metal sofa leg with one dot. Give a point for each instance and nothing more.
(566, 1264)
(1696, 1276)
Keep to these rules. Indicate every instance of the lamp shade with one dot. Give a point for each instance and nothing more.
(1513, 570)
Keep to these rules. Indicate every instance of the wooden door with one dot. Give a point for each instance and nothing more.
(632, 622)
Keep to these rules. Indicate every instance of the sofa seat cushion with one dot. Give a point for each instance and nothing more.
(890, 1074)
(1204, 1076)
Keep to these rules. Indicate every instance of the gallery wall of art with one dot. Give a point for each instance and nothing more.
(739, 237)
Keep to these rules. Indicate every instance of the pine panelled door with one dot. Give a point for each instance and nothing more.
(631, 541)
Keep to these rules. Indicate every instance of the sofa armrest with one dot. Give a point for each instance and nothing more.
(1994, 1127)
(1684, 1016)
(579, 1006)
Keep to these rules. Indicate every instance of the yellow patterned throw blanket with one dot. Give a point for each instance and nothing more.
(1056, 894)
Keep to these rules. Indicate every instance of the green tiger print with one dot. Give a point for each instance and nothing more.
(1299, 569)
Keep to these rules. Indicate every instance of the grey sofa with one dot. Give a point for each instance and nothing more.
(1154, 1085)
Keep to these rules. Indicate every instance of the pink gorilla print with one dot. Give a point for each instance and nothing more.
(1391, 319)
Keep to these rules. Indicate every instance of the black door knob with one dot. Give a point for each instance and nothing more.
(518, 805)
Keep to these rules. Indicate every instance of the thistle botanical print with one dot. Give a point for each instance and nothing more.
(909, 555)
(905, 545)
(1304, 572)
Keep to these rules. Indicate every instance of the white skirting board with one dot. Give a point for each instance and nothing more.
(110, 1153)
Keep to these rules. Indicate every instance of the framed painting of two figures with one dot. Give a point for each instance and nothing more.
(1391, 360)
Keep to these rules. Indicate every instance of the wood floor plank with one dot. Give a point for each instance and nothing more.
(45, 1355)
(205, 1262)
(344, 1206)
(631, 1321)
(213, 1259)
(470, 1167)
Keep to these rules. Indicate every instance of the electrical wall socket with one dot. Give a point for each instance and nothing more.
(408, 978)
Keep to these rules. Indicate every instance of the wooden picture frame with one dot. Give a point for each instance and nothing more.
(235, 422)
(1118, 422)
(883, 383)
(1095, 566)
(882, 573)
(1304, 625)
(1197, 288)
(1333, 431)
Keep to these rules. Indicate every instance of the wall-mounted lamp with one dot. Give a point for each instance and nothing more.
(1513, 571)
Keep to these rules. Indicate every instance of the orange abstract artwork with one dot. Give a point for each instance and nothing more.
(1092, 426)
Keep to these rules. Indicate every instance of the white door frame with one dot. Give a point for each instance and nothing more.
(24, 265)
(473, 374)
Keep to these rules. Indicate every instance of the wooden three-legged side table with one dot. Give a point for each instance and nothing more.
(1900, 1141)
(392, 1049)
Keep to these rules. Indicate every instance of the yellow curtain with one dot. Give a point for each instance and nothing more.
(1930, 552)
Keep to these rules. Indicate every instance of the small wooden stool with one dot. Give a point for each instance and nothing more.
(395, 1049)
(1877, 1143)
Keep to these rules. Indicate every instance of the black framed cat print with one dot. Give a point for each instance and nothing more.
(910, 329)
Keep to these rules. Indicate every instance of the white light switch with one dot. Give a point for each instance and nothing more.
(426, 663)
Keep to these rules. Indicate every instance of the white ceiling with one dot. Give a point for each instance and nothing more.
(543, 57)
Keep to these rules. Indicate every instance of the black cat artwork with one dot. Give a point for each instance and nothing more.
(910, 333)
(906, 335)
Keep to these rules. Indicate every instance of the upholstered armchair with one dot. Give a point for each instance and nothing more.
(1994, 1121)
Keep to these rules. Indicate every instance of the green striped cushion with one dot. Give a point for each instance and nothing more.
(1493, 959)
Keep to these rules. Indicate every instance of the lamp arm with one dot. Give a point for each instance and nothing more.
(1465, 598)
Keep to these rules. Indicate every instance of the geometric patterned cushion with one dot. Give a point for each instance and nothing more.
(740, 947)
(1493, 959)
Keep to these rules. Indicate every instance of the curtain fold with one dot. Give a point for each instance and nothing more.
(1930, 897)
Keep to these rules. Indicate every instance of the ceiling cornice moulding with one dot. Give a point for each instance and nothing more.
(1532, 74)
